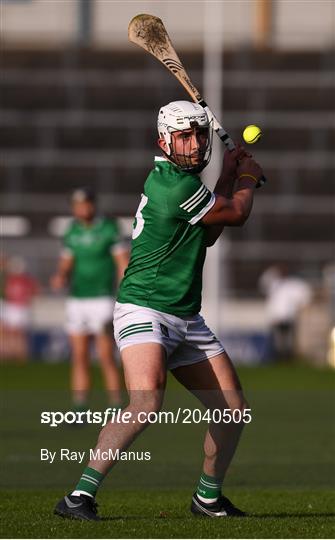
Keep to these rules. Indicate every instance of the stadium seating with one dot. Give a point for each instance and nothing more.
(77, 117)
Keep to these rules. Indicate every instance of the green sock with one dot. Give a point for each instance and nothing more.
(89, 482)
(209, 488)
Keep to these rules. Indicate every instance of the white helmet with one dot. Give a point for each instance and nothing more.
(182, 115)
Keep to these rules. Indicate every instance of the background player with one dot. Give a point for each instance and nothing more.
(157, 321)
(92, 262)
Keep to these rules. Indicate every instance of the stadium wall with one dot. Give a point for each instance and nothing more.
(297, 24)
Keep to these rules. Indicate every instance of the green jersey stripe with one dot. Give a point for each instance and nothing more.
(194, 196)
(204, 210)
(131, 332)
(135, 325)
(197, 202)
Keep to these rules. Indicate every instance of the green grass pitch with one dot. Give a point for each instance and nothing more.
(282, 474)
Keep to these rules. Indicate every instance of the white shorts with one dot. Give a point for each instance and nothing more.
(89, 315)
(15, 316)
(186, 340)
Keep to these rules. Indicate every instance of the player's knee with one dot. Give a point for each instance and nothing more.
(237, 402)
(145, 402)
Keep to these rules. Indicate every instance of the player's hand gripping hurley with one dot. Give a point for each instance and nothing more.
(149, 32)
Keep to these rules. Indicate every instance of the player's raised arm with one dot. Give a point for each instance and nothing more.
(225, 187)
(235, 211)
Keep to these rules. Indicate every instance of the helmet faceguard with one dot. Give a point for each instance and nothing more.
(188, 135)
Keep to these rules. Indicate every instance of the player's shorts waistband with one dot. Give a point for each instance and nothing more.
(134, 307)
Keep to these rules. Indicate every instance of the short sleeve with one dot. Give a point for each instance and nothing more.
(190, 200)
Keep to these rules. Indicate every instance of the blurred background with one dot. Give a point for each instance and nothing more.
(79, 106)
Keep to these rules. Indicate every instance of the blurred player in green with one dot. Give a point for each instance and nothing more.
(92, 262)
(156, 320)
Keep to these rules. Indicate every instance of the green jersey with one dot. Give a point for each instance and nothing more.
(91, 247)
(168, 248)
